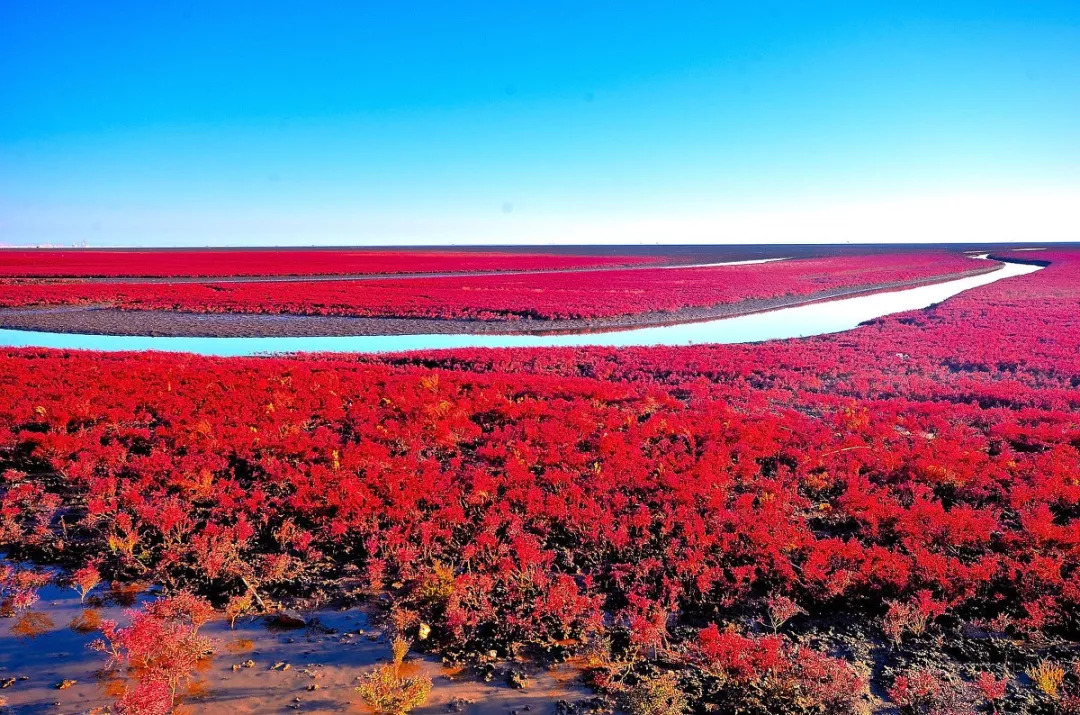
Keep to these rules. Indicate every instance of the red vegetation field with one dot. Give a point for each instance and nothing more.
(263, 262)
(758, 529)
(593, 294)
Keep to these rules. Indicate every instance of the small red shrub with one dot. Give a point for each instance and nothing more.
(161, 645)
(924, 691)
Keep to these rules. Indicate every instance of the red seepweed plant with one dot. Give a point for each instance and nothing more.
(160, 648)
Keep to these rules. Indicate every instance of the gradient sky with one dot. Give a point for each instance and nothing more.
(196, 123)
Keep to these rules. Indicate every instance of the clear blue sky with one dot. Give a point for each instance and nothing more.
(170, 123)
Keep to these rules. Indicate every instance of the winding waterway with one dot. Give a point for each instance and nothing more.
(818, 318)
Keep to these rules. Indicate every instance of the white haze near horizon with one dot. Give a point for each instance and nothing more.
(1042, 217)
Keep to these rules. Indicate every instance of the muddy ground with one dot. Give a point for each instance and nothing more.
(247, 672)
(257, 667)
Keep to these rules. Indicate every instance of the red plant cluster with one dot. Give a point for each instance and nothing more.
(19, 588)
(577, 295)
(266, 262)
(781, 673)
(161, 646)
(632, 497)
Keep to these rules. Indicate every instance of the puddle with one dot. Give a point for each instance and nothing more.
(53, 647)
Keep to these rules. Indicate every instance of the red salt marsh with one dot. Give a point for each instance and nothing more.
(855, 521)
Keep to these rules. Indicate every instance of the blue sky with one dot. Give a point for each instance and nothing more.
(195, 123)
